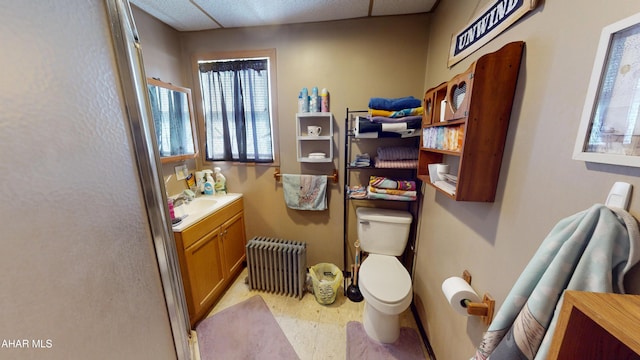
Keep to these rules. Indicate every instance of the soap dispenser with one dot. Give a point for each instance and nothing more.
(209, 184)
(221, 182)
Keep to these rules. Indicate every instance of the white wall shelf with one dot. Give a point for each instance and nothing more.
(308, 144)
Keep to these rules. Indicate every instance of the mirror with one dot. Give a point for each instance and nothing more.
(175, 127)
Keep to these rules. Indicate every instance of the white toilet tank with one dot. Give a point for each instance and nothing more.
(383, 231)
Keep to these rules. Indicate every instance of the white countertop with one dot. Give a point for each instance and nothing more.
(201, 207)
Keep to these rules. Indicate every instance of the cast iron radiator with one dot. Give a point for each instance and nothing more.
(277, 265)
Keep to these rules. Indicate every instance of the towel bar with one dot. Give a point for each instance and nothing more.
(334, 176)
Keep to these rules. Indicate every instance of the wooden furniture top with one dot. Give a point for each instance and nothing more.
(595, 321)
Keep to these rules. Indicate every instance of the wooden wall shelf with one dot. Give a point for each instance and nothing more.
(477, 102)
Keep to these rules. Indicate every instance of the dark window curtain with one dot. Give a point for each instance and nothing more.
(237, 115)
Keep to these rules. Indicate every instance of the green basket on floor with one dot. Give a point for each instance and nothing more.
(326, 279)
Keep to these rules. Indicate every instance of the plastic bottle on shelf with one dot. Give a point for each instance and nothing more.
(324, 100)
(305, 100)
(300, 103)
(221, 182)
(314, 105)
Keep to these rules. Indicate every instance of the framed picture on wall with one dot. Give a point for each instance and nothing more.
(609, 130)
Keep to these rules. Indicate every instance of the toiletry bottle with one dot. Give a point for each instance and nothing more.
(324, 100)
(314, 104)
(209, 184)
(172, 212)
(221, 182)
(191, 181)
(300, 103)
(200, 180)
(305, 100)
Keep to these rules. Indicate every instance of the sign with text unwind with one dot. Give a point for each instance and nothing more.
(491, 21)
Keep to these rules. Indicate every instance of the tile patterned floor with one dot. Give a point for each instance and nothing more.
(315, 331)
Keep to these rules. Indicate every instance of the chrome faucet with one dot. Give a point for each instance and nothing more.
(183, 198)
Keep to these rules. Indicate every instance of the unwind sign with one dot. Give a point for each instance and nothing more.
(492, 20)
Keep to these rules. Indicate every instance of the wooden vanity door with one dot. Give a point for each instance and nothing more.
(234, 244)
(205, 271)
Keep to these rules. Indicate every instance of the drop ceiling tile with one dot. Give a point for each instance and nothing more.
(398, 7)
(181, 15)
(241, 13)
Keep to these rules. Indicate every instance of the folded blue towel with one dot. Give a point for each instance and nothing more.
(305, 192)
(361, 160)
(394, 104)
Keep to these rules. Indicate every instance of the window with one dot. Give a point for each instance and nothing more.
(238, 108)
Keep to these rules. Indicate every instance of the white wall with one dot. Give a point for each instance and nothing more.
(539, 182)
(77, 264)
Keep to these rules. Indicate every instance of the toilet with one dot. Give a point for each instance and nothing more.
(384, 282)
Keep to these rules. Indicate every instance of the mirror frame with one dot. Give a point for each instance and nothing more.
(194, 134)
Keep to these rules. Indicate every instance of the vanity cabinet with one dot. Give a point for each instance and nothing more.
(211, 253)
(465, 125)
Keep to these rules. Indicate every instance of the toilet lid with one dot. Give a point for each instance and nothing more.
(385, 278)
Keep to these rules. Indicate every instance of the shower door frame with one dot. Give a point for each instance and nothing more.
(133, 82)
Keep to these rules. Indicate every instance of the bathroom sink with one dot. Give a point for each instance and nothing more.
(196, 205)
(199, 208)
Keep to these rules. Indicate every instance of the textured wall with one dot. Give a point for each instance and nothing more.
(539, 182)
(77, 264)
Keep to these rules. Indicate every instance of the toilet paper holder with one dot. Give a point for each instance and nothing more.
(483, 309)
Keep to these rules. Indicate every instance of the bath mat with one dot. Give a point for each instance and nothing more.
(246, 330)
(360, 346)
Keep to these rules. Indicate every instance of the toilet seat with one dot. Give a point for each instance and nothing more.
(385, 283)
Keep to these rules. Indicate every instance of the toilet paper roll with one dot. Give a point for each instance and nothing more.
(456, 290)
